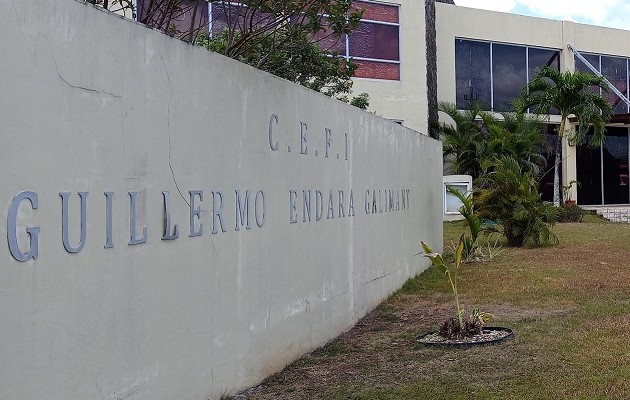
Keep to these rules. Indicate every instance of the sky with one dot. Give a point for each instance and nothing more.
(610, 13)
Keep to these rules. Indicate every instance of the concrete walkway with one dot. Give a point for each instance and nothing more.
(619, 213)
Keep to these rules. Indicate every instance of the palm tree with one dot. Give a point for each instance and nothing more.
(477, 137)
(569, 93)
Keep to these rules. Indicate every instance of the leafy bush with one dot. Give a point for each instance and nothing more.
(509, 195)
(570, 213)
(476, 137)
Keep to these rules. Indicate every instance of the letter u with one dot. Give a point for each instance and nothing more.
(64, 221)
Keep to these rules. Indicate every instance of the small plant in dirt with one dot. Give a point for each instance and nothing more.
(458, 326)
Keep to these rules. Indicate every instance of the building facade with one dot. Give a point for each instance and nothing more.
(489, 56)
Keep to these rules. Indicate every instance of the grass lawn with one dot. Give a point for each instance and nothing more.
(568, 304)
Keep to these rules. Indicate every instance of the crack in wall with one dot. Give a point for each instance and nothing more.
(64, 80)
(168, 124)
(379, 277)
(170, 143)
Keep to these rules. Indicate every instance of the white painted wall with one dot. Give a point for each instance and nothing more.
(406, 99)
(92, 102)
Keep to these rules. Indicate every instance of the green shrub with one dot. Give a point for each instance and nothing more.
(510, 196)
(475, 136)
(570, 213)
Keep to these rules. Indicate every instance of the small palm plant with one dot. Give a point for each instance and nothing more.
(459, 326)
(473, 223)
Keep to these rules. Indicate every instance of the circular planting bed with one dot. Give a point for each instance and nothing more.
(489, 336)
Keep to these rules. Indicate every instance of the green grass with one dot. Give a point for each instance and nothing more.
(568, 304)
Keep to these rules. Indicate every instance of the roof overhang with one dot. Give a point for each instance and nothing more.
(617, 119)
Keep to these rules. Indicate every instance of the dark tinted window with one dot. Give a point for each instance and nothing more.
(615, 164)
(593, 59)
(615, 70)
(589, 172)
(509, 74)
(472, 73)
(545, 181)
(539, 58)
(376, 41)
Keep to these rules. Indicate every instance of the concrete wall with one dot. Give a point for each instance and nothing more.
(91, 102)
(405, 99)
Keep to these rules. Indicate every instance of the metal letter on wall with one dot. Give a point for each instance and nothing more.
(109, 241)
(260, 221)
(303, 146)
(64, 221)
(273, 145)
(195, 213)
(217, 211)
(33, 231)
(167, 235)
(133, 210)
(242, 211)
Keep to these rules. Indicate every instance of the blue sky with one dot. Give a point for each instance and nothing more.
(610, 13)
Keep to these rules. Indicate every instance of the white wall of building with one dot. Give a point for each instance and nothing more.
(468, 23)
(406, 99)
(91, 102)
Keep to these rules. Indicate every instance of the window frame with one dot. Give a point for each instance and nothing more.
(493, 42)
(377, 60)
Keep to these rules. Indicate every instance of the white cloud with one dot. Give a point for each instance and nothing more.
(611, 13)
(494, 5)
(580, 10)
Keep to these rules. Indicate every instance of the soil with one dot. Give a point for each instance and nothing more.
(487, 336)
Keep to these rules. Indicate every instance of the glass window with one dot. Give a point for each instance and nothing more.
(589, 172)
(615, 70)
(509, 74)
(329, 41)
(375, 41)
(238, 16)
(472, 73)
(615, 164)
(539, 58)
(545, 182)
(593, 59)
(151, 13)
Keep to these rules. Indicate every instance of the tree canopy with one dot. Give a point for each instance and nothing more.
(299, 40)
(570, 93)
(477, 138)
